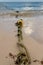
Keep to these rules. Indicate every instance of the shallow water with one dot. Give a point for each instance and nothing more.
(33, 26)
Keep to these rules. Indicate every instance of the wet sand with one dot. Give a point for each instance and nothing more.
(33, 38)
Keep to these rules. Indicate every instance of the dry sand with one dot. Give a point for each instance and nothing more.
(8, 42)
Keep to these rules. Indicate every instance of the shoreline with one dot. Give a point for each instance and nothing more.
(21, 13)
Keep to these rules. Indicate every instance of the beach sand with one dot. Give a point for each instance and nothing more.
(32, 40)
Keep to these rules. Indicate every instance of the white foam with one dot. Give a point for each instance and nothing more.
(27, 8)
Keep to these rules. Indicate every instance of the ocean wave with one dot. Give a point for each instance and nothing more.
(27, 8)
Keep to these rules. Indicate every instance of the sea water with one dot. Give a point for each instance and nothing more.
(21, 6)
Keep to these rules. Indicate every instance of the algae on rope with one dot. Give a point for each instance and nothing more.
(23, 55)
